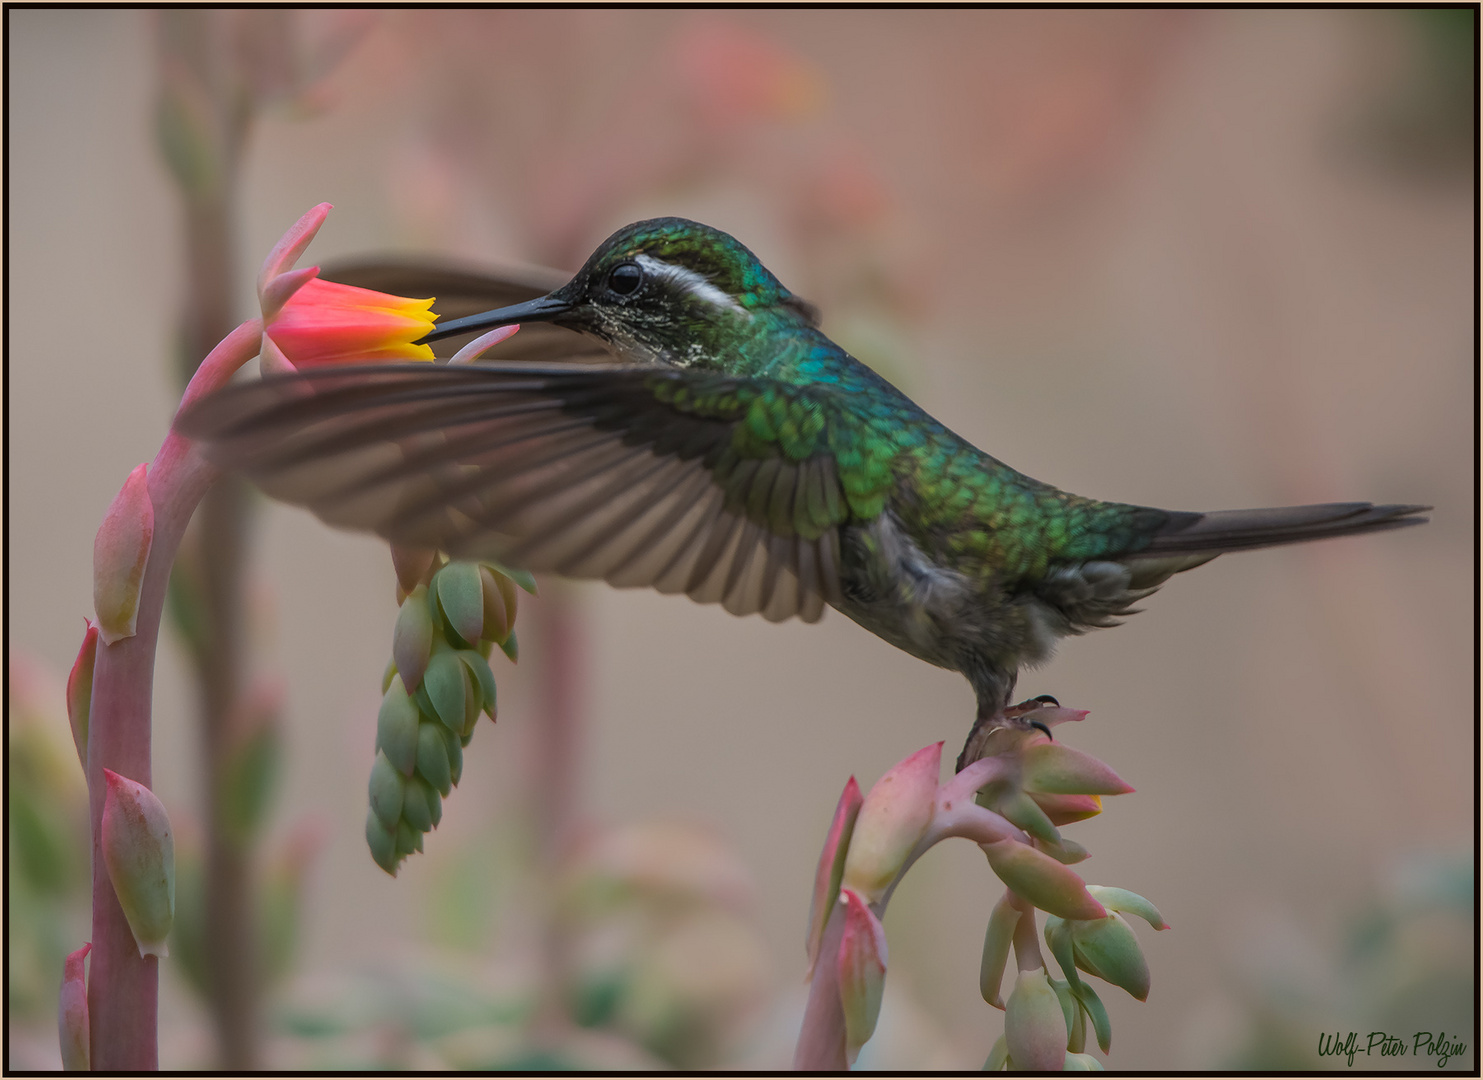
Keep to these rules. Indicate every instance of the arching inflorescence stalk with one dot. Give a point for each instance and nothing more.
(1012, 802)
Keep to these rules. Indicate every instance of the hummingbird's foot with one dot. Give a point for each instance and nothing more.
(981, 739)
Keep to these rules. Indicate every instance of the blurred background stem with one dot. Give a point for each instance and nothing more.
(204, 118)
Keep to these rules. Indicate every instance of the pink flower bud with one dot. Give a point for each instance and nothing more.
(894, 816)
(1034, 1025)
(1057, 769)
(862, 971)
(1081, 1063)
(290, 246)
(72, 1014)
(80, 692)
(997, 939)
(1042, 881)
(484, 342)
(831, 867)
(139, 852)
(1066, 809)
(412, 565)
(120, 551)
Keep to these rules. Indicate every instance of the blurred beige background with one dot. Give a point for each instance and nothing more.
(1163, 258)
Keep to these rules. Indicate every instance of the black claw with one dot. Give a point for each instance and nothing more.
(1042, 727)
(1046, 699)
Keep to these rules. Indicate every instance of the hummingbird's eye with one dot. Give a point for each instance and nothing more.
(624, 279)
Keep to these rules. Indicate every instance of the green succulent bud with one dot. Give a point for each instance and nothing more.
(139, 853)
(415, 809)
(448, 687)
(386, 791)
(455, 745)
(511, 648)
(483, 679)
(461, 598)
(412, 640)
(432, 757)
(497, 620)
(408, 839)
(382, 843)
(396, 727)
(1034, 1026)
(386, 675)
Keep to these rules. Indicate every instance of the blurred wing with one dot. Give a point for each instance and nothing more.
(638, 476)
(469, 289)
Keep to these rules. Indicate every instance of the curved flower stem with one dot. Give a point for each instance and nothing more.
(123, 987)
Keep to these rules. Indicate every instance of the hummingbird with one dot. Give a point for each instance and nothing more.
(730, 451)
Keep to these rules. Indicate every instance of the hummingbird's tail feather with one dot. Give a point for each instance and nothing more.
(1238, 530)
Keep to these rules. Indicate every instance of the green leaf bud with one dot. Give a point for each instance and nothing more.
(454, 743)
(139, 853)
(412, 640)
(1114, 899)
(997, 939)
(1108, 949)
(461, 597)
(408, 839)
(483, 679)
(415, 811)
(382, 843)
(432, 756)
(72, 1013)
(523, 578)
(497, 620)
(1034, 1026)
(396, 728)
(386, 791)
(120, 551)
(511, 648)
(80, 692)
(448, 687)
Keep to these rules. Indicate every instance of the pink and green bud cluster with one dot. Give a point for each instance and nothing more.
(139, 852)
(438, 683)
(1012, 802)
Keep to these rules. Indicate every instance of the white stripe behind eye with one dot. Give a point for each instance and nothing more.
(692, 282)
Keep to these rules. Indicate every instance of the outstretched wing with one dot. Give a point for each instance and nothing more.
(721, 488)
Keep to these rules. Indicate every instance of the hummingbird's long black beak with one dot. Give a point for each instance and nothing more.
(541, 309)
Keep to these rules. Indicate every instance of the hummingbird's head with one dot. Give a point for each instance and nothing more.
(665, 291)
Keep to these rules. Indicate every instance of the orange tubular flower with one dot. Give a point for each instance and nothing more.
(308, 321)
(325, 322)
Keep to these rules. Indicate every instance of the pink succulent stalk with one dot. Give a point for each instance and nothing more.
(134, 564)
